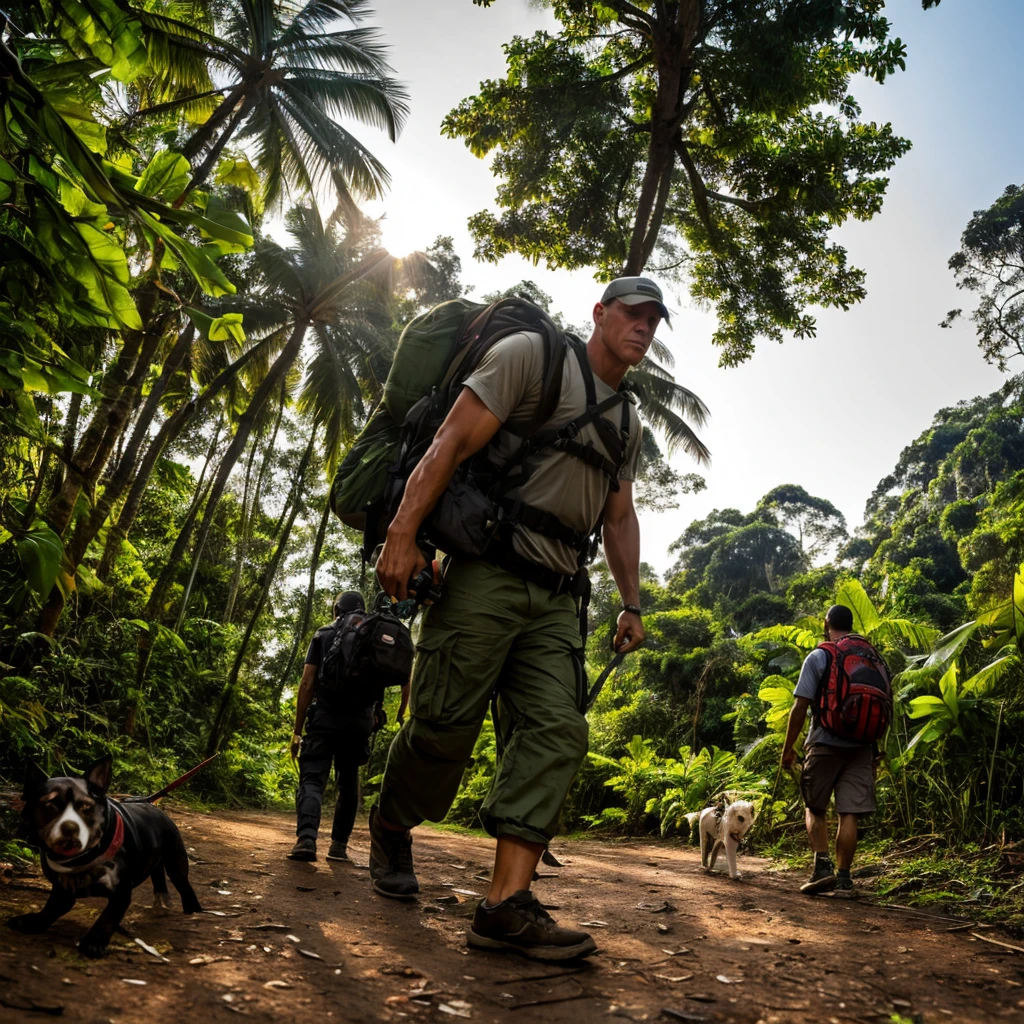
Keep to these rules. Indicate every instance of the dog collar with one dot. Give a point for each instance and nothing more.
(88, 858)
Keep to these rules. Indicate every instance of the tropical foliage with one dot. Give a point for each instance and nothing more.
(196, 317)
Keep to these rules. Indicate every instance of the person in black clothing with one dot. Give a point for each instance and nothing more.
(333, 736)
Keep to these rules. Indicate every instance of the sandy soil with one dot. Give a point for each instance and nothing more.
(282, 941)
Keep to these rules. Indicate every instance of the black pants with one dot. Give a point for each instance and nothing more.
(346, 749)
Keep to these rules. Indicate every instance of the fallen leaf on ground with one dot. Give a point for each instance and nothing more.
(448, 901)
(310, 954)
(681, 1014)
(277, 983)
(134, 981)
(293, 938)
(726, 979)
(151, 951)
(593, 924)
(467, 892)
(306, 888)
(453, 1010)
(271, 927)
(675, 952)
(674, 980)
(656, 908)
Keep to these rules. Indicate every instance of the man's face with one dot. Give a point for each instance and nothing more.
(627, 331)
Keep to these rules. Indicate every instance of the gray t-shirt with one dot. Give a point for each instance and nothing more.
(812, 676)
(508, 381)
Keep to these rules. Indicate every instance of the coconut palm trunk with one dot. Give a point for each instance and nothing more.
(247, 421)
(222, 722)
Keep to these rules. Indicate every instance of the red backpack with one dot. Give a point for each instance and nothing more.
(855, 699)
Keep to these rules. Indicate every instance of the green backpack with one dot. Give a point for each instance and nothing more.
(436, 352)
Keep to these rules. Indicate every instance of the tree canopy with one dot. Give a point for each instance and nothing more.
(715, 140)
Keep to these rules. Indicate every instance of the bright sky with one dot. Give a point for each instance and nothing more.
(830, 413)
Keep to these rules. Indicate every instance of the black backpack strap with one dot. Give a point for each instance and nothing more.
(517, 513)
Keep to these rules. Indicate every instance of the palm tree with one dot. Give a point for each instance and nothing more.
(287, 75)
(315, 288)
(283, 75)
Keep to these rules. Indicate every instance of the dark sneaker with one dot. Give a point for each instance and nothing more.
(844, 885)
(338, 851)
(522, 925)
(822, 880)
(391, 861)
(304, 849)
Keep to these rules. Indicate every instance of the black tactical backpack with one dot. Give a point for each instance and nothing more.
(363, 655)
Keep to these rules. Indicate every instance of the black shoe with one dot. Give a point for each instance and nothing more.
(822, 880)
(844, 885)
(522, 925)
(338, 851)
(304, 849)
(391, 861)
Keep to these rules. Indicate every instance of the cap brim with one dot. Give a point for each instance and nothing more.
(637, 299)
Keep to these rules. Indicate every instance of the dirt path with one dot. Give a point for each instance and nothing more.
(311, 942)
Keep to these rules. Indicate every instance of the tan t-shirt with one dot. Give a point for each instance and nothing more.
(508, 381)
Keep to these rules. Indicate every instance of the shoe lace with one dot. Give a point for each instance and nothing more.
(528, 904)
(399, 849)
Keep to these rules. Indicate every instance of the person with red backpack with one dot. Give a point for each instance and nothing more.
(847, 687)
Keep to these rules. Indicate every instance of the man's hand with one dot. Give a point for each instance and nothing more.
(400, 561)
(295, 744)
(788, 758)
(629, 632)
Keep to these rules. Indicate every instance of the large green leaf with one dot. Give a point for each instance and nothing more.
(41, 554)
(165, 176)
(865, 618)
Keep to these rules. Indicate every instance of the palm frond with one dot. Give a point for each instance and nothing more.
(377, 102)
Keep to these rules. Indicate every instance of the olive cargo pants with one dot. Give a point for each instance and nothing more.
(492, 629)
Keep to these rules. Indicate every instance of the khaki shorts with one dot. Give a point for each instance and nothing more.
(848, 772)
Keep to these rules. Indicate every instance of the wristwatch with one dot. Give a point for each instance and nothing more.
(632, 608)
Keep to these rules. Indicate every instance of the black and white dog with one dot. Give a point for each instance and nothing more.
(94, 845)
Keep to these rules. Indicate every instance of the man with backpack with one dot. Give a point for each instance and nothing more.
(846, 685)
(508, 621)
(340, 715)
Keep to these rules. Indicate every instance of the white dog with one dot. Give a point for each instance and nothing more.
(722, 830)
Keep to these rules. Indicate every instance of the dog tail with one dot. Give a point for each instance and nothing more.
(693, 817)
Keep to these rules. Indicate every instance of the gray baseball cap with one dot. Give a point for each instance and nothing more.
(634, 290)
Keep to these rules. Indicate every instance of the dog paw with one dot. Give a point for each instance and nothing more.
(28, 924)
(94, 949)
(737, 877)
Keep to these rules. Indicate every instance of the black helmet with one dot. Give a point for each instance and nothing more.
(349, 601)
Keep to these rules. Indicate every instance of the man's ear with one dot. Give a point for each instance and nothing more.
(35, 779)
(97, 775)
(598, 313)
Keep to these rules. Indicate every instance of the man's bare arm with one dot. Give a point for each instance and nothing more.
(302, 702)
(466, 429)
(622, 551)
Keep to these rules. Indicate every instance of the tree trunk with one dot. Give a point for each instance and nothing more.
(249, 506)
(90, 526)
(275, 375)
(170, 568)
(221, 729)
(307, 607)
(168, 432)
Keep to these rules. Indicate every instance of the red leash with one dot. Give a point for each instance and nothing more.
(153, 797)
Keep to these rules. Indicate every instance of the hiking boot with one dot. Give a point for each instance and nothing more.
(522, 925)
(304, 849)
(844, 885)
(822, 880)
(338, 851)
(391, 861)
